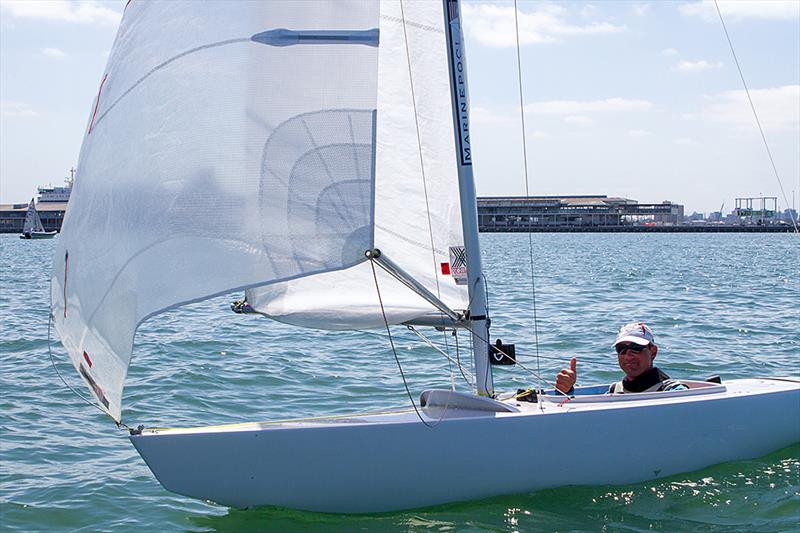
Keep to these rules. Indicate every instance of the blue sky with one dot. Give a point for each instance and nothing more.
(635, 99)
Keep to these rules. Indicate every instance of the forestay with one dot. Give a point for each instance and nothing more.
(233, 148)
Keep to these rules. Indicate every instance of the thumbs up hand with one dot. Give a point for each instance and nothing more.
(565, 379)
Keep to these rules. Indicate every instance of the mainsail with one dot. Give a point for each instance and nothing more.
(32, 221)
(257, 144)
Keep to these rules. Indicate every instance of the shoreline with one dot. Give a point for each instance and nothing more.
(642, 229)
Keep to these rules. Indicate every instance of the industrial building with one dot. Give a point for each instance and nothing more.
(504, 214)
(545, 213)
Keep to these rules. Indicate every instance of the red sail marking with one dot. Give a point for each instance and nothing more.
(643, 330)
(66, 265)
(96, 104)
(86, 356)
(446, 269)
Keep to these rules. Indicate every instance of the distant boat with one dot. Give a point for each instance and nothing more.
(33, 228)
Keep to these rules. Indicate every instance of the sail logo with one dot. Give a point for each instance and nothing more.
(458, 70)
(458, 264)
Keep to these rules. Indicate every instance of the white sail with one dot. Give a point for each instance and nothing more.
(235, 145)
(230, 145)
(32, 221)
(417, 214)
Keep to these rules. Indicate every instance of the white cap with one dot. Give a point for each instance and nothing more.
(635, 332)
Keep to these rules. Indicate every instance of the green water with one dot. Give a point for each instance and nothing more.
(718, 304)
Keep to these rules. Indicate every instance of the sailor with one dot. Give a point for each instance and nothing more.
(636, 351)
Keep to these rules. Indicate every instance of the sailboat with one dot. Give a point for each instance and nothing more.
(317, 156)
(33, 228)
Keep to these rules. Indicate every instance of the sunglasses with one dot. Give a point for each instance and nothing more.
(635, 348)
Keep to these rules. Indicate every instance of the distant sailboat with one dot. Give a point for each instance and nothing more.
(33, 228)
(330, 143)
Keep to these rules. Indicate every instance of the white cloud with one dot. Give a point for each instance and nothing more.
(54, 52)
(639, 133)
(736, 10)
(577, 107)
(483, 115)
(578, 119)
(778, 108)
(669, 52)
(641, 10)
(83, 11)
(696, 66)
(685, 141)
(16, 109)
(589, 11)
(493, 25)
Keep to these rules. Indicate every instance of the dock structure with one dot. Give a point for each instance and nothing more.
(575, 213)
(512, 214)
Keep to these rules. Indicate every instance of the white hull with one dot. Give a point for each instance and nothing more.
(39, 235)
(392, 461)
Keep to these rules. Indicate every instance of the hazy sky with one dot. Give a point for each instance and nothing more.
(635, 99)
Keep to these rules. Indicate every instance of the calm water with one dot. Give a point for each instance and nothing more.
(718, 304)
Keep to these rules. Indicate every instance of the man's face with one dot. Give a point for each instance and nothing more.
(635, 360)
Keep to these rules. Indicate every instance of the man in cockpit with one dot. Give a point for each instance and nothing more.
(636, 351)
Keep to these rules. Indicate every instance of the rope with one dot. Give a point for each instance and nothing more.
(427, 341)
(458, 358)
(120, 424)
(397, 359)
(753, 107)
(466, 326)
(457, 362)
(527, 186)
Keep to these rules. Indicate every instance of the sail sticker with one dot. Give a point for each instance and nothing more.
(458, 264)
(96, 104)
(66, 265)
(86, 357)
(284, 37)
(459, 82)
(445, 269)
(98, 391)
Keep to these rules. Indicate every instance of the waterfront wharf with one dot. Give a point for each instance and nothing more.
(682, 228)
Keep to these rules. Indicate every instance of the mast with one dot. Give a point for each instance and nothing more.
(469, 210)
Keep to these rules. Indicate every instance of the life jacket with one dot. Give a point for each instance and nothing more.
(661, 382)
